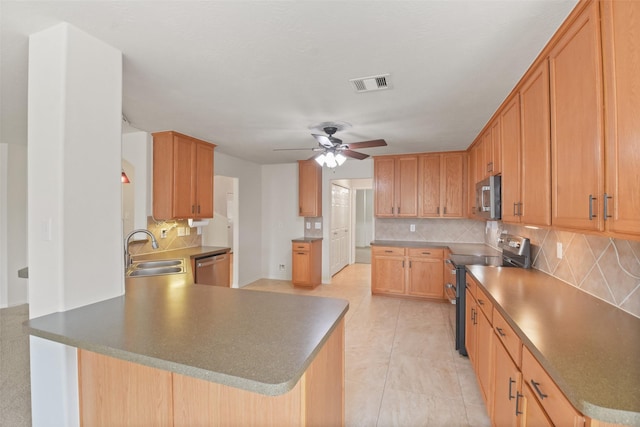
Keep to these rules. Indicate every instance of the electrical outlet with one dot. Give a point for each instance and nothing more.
(181, 231)
(412, 228)
(187, 231)
(559, 250)
(163, 233)
(281, 267)
(308, 225)
(318, 225)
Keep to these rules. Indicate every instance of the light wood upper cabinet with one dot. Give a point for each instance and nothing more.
(496, 147)
(442, 185)
(182, 176)
(395, 180)
(576, 125)
(535, 184)
(621, 67)
(511, 165)
(309, 188)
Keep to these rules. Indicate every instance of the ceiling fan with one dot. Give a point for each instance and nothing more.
(333, 152)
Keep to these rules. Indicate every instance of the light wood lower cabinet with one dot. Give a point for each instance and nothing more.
(306, 263)
(115, 392)
(507, 397)
(412, 272)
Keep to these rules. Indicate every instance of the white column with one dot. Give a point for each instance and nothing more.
(74, 197)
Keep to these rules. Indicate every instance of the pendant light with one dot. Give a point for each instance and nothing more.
(124, 178)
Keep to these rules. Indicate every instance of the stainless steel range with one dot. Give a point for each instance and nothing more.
(515, 252)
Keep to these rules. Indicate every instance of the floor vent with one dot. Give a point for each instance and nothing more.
(368, 84)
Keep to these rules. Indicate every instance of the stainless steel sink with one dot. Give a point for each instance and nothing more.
(155, 271)
(156, 267)
(158, 263)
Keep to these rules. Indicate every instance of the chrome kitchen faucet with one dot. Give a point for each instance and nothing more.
(127, 257)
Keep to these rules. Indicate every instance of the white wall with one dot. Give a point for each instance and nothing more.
(74, 198)
(249, 221)
(13, 224)
(137, 150)
(280, 220)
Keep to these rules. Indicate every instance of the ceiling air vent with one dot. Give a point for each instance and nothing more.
(367, 84)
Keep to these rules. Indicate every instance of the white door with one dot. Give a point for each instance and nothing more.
(340, 227)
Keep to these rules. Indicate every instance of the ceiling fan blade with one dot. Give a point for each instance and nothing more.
(368, 144)
(354, 154)
(295, 149)
(323, 140)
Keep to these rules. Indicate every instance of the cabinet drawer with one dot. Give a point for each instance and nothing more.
(484, 303)
(387, 250)
(426, 252)
(555, 404)
(301, 247)
(508, 337)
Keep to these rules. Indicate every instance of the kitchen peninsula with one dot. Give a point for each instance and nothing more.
(175, 354)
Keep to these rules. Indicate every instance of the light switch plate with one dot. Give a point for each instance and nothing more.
(412, 227)
(318, 225)
(308, 225)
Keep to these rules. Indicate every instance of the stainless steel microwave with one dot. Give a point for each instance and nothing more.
(488, 199)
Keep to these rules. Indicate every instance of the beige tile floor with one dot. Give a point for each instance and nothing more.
(400, 365)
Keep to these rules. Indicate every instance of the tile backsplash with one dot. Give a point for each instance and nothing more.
(432, 230)
(171, 242)
(604, 267)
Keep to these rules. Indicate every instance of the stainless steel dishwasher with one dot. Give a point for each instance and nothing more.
(212, 270)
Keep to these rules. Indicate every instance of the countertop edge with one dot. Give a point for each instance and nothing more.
(586, 408)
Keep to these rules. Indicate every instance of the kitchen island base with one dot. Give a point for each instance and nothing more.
(119, 392)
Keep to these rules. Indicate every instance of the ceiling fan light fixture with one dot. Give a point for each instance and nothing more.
(330, 160)
(320, 159)
(340, 159)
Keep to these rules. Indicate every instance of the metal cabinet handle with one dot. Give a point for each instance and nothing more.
(445, 210)
(514, 209)
(501, 332)
(426, 253)
(490, 167)
(438, 210)
(606, 206)
(388, 251)
(591, 214)
(520, 209)
(537, 389)
(511, 382)
(481, 302)
(518, 396)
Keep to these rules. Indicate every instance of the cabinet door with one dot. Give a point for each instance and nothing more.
(425, 277)
(204, 181)
(388, 274)
(484, 357)
(453, 185)
(407, 186)
(184, 195)
(383, 186)
(471, 316)
(496, 147)
(309, 188)
(510, 129)
(536, 161)
(301, 268)
(621, 44)
(507, 400)
(429, 185)
(533, 414)
(576, 125)
(471, 182)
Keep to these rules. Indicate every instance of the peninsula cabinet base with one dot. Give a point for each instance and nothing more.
(115, 392)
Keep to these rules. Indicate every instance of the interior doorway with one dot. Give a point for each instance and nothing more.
(354, 217)
(363, 225)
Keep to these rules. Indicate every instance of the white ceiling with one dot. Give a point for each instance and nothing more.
(254, 76)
